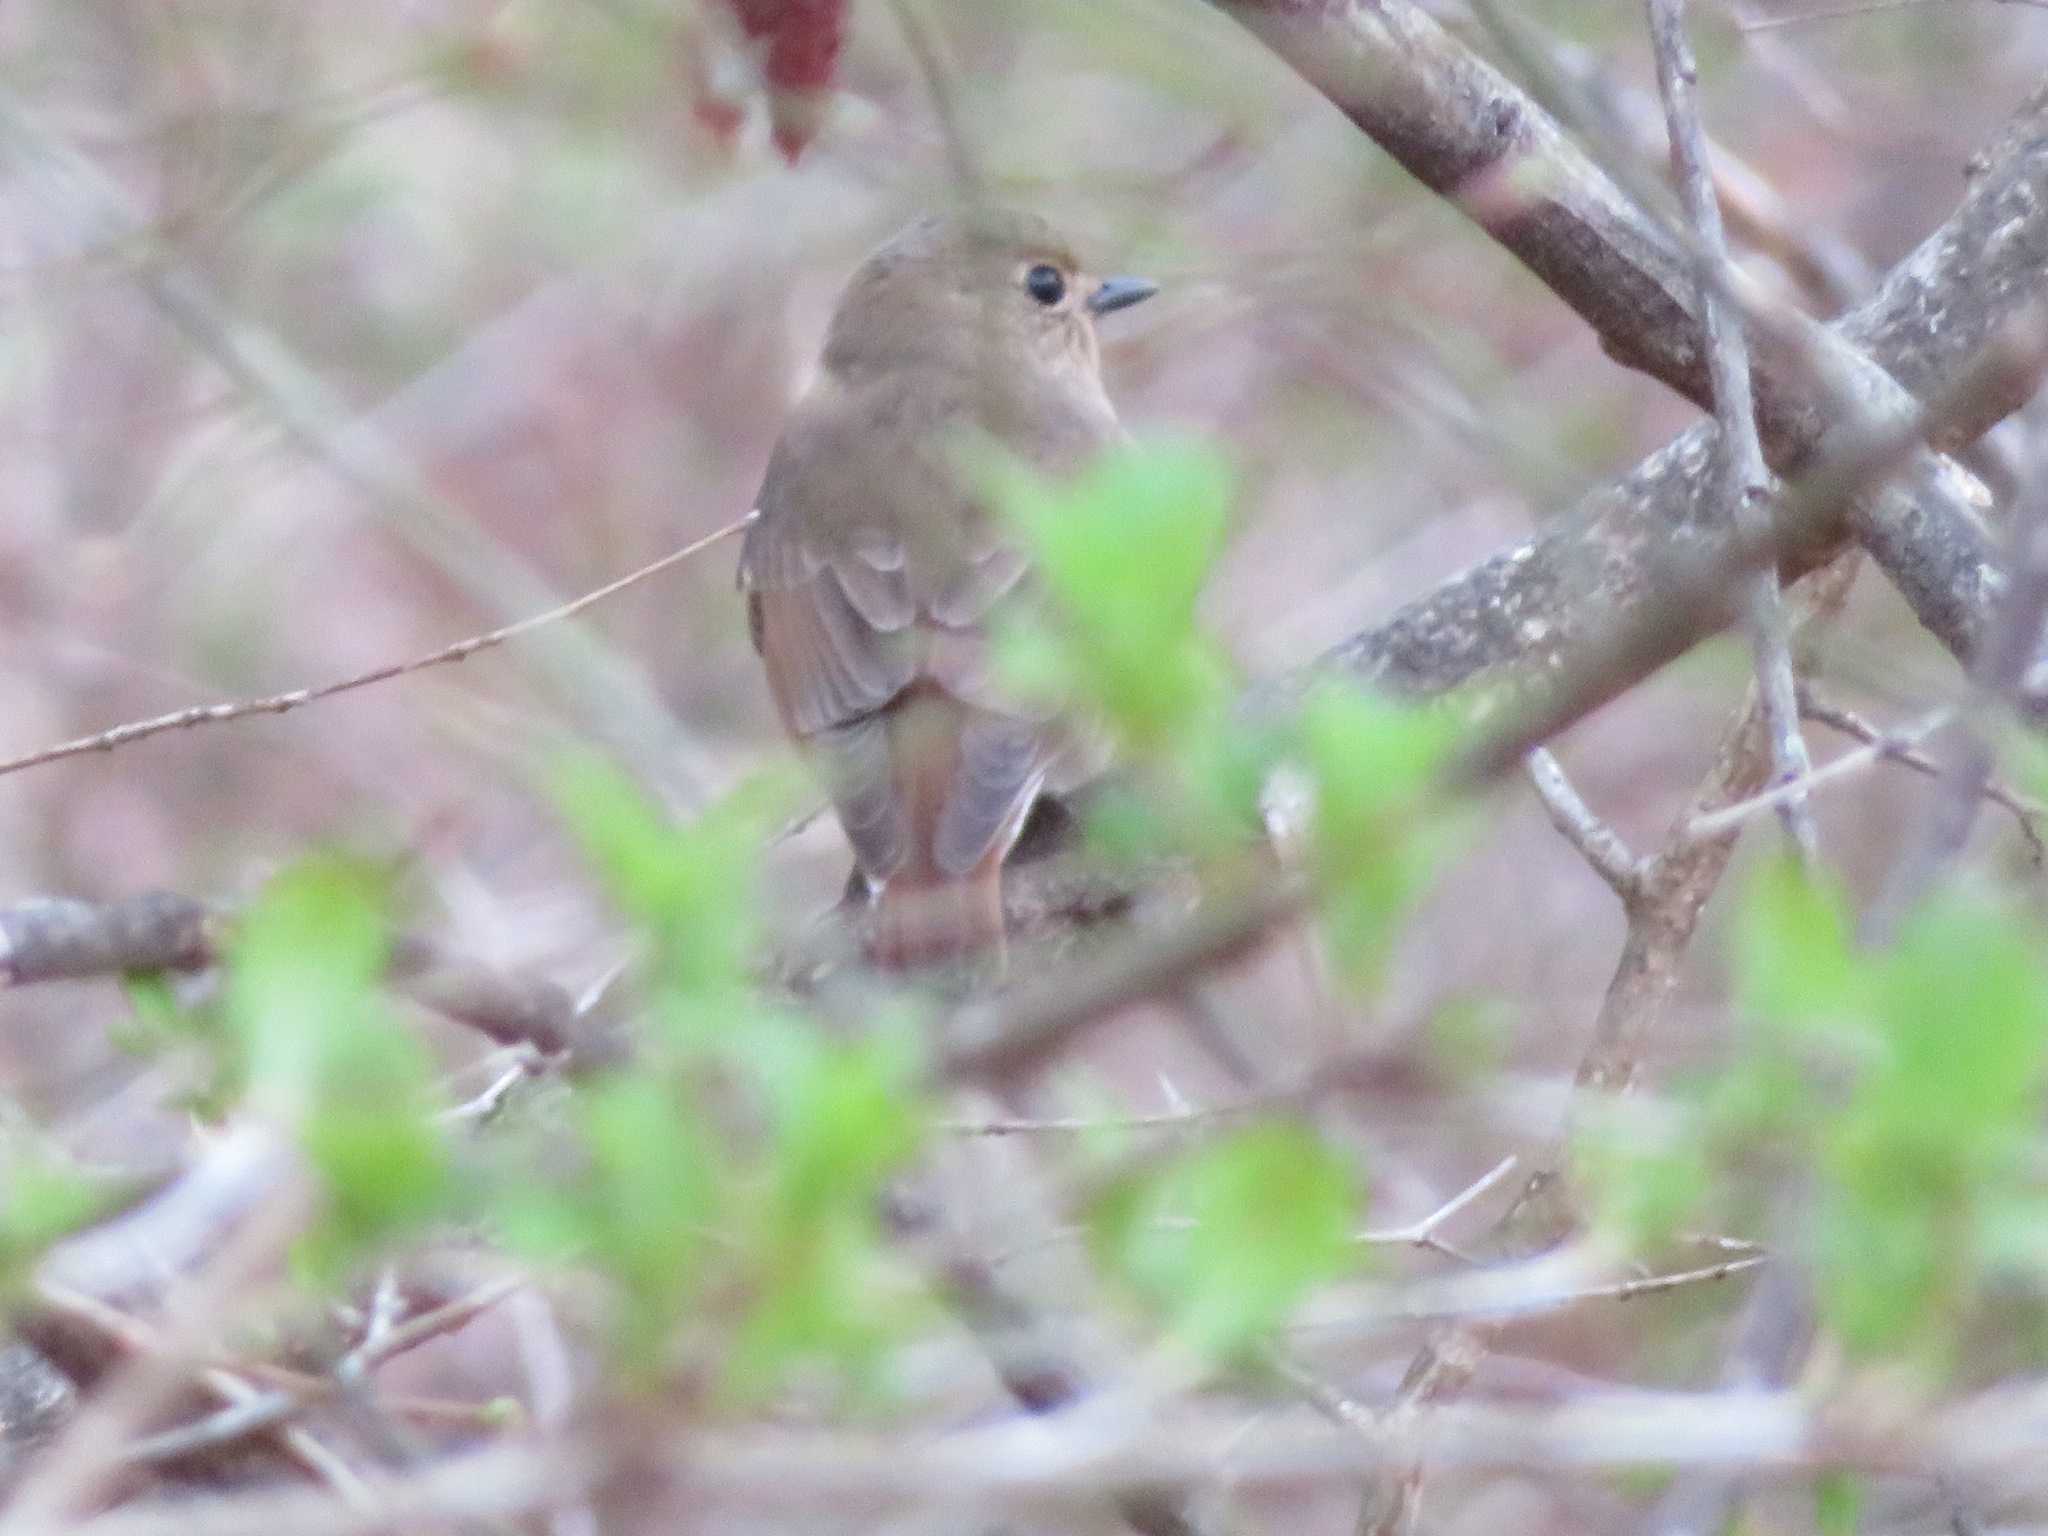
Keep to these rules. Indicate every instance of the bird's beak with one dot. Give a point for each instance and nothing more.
(1120, 293)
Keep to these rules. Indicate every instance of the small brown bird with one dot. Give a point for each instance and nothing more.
(874, 570)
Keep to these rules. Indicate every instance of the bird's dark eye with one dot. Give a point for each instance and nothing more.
(1045, 284)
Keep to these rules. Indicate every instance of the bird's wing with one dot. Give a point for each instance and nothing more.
(828, 595)
(830, 607)
(868, 570)
(1002, 763)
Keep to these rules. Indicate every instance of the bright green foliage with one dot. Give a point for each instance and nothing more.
(324, 1054)
(647, 1205)
(1936, 1126)
(1373, 763)
(45, 1200)
(1901, 1088)
(303, 974)
(700, 1187)
(1963, 1006)
(845, 1118)
(1123, 552)
(734, 1177)
(691, 887)
(1794, 953)
(1646, 1184)
(158, 1024)
(155, 1019)
(1837, 1504)
(1228, 1239)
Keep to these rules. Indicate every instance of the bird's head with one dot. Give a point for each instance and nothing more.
(974, 289)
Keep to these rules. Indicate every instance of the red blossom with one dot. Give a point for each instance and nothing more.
(801, 41)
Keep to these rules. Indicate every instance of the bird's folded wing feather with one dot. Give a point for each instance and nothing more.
(867, 571)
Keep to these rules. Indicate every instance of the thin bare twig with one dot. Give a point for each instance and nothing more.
(1830, 270)
(1301, 1089)
(2027, 812)
(1842, 12)
(1007, 1040)
(1670, 892)
(484, 1106)
(1743, 478)
(248, 1411)
(1770, 1341)
(1597, 843)
(1092, 1125)
(396, 1339)
(1535, 1287)
(938, 81)
(298, 698)
(1393, 1498)
(225, 1426)
(1423, 1233)
(1725, 819)
(1657, 1285)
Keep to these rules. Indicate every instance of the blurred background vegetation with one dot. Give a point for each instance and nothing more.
(496, 301)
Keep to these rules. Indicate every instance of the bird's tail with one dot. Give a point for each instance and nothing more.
(930, 922)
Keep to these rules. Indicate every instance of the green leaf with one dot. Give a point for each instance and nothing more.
(649, 1198)
(1646, 1182)
(1228, 1240)
(693, 886)
(327, 1055)
(1794, 949)
(1933, 1131)
(1837, 1503)
(46, 1199)
(846, 1117)
(1130, 541)
(1964, 1009)
(385, 1166)
(1883, 1264)
(1373, 764)
(303, 971)
(1123, 551)
(155, 1018)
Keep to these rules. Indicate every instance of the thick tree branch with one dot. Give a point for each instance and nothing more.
(47, 939)
(52, 939)
(1684, 602)
(1467, 133)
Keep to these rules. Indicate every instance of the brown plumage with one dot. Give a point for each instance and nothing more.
(873, 572)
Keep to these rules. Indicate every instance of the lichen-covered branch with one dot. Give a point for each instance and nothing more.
(50, 939)
(1467, 133)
